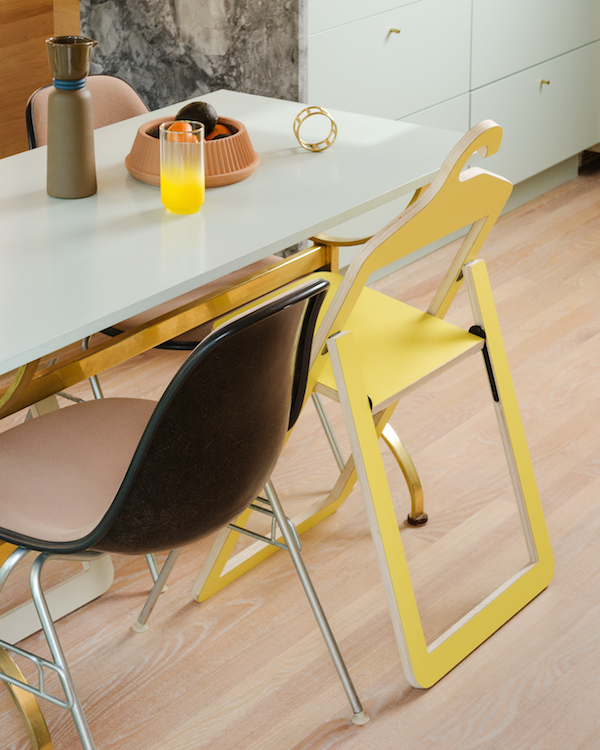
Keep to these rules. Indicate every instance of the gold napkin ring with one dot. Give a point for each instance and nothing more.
(326, 142)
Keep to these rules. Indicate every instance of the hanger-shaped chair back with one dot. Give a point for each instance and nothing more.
(455, 199)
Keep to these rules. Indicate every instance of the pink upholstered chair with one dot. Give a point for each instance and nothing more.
(114, 100)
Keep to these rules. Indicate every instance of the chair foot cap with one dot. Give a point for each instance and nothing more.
(418, 520)
(139, 628)
(360, 718)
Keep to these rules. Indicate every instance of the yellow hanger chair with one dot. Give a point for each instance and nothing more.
(391, 349)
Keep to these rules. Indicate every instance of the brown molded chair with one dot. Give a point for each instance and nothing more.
(134, 477)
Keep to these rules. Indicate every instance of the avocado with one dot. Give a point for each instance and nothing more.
(199, 112)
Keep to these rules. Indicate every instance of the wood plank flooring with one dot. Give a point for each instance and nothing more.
(247, 669)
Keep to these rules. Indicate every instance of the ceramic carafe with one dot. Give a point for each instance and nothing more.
(71, 161)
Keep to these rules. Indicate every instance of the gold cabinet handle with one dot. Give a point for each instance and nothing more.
(544, 82)
(394, 31)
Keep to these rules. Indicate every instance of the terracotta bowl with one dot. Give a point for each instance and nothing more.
(227, 160)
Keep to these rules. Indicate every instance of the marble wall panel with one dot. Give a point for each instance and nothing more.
(171, 50)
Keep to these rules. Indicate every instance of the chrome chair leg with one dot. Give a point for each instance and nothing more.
(96, 389)
(69, 397)
(58, 665)
(290, 537)
(57, 652)
(333, 443)
(94, 382)
(141, 623)
(153, 566)
(154, 570)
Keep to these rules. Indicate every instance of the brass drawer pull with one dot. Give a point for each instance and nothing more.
(394, 31)
(542, 82)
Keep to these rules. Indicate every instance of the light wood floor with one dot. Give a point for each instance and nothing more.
(247, 669)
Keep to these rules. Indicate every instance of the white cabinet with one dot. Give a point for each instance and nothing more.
(512, 35)
(332, 13)
(453, 114)
(366, 67)
(456, 62)
(543, 123)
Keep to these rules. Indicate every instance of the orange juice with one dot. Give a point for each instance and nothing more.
(182, 166)
(182, 192)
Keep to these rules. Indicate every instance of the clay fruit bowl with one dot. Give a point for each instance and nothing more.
(226, 160)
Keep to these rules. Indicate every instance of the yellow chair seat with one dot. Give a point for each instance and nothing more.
(398, 345)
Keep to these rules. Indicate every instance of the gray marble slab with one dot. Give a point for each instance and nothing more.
(170, 50)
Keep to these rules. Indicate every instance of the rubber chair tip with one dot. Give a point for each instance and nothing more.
(417, 520)
(360, 718)
(138, 627)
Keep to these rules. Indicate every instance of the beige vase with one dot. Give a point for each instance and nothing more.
(71, 171)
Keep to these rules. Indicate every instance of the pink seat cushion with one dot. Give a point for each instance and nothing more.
(59, 473)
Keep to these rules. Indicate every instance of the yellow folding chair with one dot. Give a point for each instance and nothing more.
(392, 349)
(387, 349)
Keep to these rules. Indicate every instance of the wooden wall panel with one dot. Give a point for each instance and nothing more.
(23, 59)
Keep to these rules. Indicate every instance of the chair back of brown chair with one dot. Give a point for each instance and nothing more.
(215, 435)
(113, 100)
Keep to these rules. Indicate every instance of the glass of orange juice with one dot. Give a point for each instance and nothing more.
(182, 166)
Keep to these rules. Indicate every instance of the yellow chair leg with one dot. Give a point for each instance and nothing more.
(220, 568)
(424, 665)
(6, 551)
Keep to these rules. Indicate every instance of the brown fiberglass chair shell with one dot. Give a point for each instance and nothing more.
(133, 477)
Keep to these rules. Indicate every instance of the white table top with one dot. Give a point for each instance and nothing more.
(69, 268)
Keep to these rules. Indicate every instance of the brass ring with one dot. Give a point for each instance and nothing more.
(326, 142)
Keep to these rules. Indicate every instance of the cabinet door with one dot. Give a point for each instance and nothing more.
(327, 14)
(543, 123)
(364, 67)
(511, 35)
(450, 115)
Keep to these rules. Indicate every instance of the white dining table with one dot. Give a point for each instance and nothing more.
(69, 268)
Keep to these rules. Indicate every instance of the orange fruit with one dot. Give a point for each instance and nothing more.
(181, 126)
(181, 132)
(219, 131)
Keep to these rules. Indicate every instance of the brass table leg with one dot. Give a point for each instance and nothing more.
(27, 704)
(417, 516)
